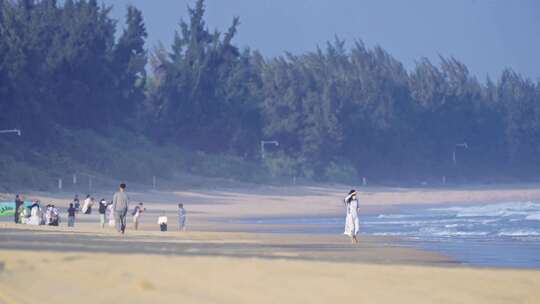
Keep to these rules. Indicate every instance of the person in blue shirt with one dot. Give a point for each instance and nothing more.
(71, 215)
(181, 218)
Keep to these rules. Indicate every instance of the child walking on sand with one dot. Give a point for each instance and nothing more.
(77, 203)
(71, 215)
(162, 222)
(137, 212)
(103, 204)
(110, 213)
(181, 218)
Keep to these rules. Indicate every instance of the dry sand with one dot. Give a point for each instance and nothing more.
(103, 278)
(260, 200)
(89, 265)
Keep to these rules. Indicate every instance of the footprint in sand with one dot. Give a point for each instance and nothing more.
(145, 285)
(72, 258)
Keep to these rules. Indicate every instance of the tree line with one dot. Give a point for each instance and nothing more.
(336, 111)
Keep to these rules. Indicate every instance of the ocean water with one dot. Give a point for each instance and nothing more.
(491, 235)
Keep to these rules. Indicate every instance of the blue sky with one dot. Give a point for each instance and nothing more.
(487, 35)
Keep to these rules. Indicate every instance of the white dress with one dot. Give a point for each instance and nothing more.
(35, 216)
(110, 211)
(352, 224)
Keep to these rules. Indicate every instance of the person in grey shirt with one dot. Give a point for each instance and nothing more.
(120, 208)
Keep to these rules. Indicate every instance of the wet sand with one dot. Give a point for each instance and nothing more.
(331, 248)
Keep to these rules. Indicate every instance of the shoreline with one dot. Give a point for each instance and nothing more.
(225, 209)
(212, 264)
(315, 247)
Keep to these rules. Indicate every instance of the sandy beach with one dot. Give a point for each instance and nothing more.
(100, 278)
(212, 264)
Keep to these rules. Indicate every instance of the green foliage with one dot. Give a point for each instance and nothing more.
(342, 173)
(62, 65)
(224, 166)
(204, 101)
(281, 166)
(23, 174)
(84, 102)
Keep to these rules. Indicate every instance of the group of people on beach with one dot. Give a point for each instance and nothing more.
(120, 206)
(115, 212)
(35, 214)
(104, 209)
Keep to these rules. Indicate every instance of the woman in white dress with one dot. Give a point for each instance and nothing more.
(352, 224)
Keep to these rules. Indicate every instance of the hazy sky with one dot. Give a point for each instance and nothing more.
(487, 35)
